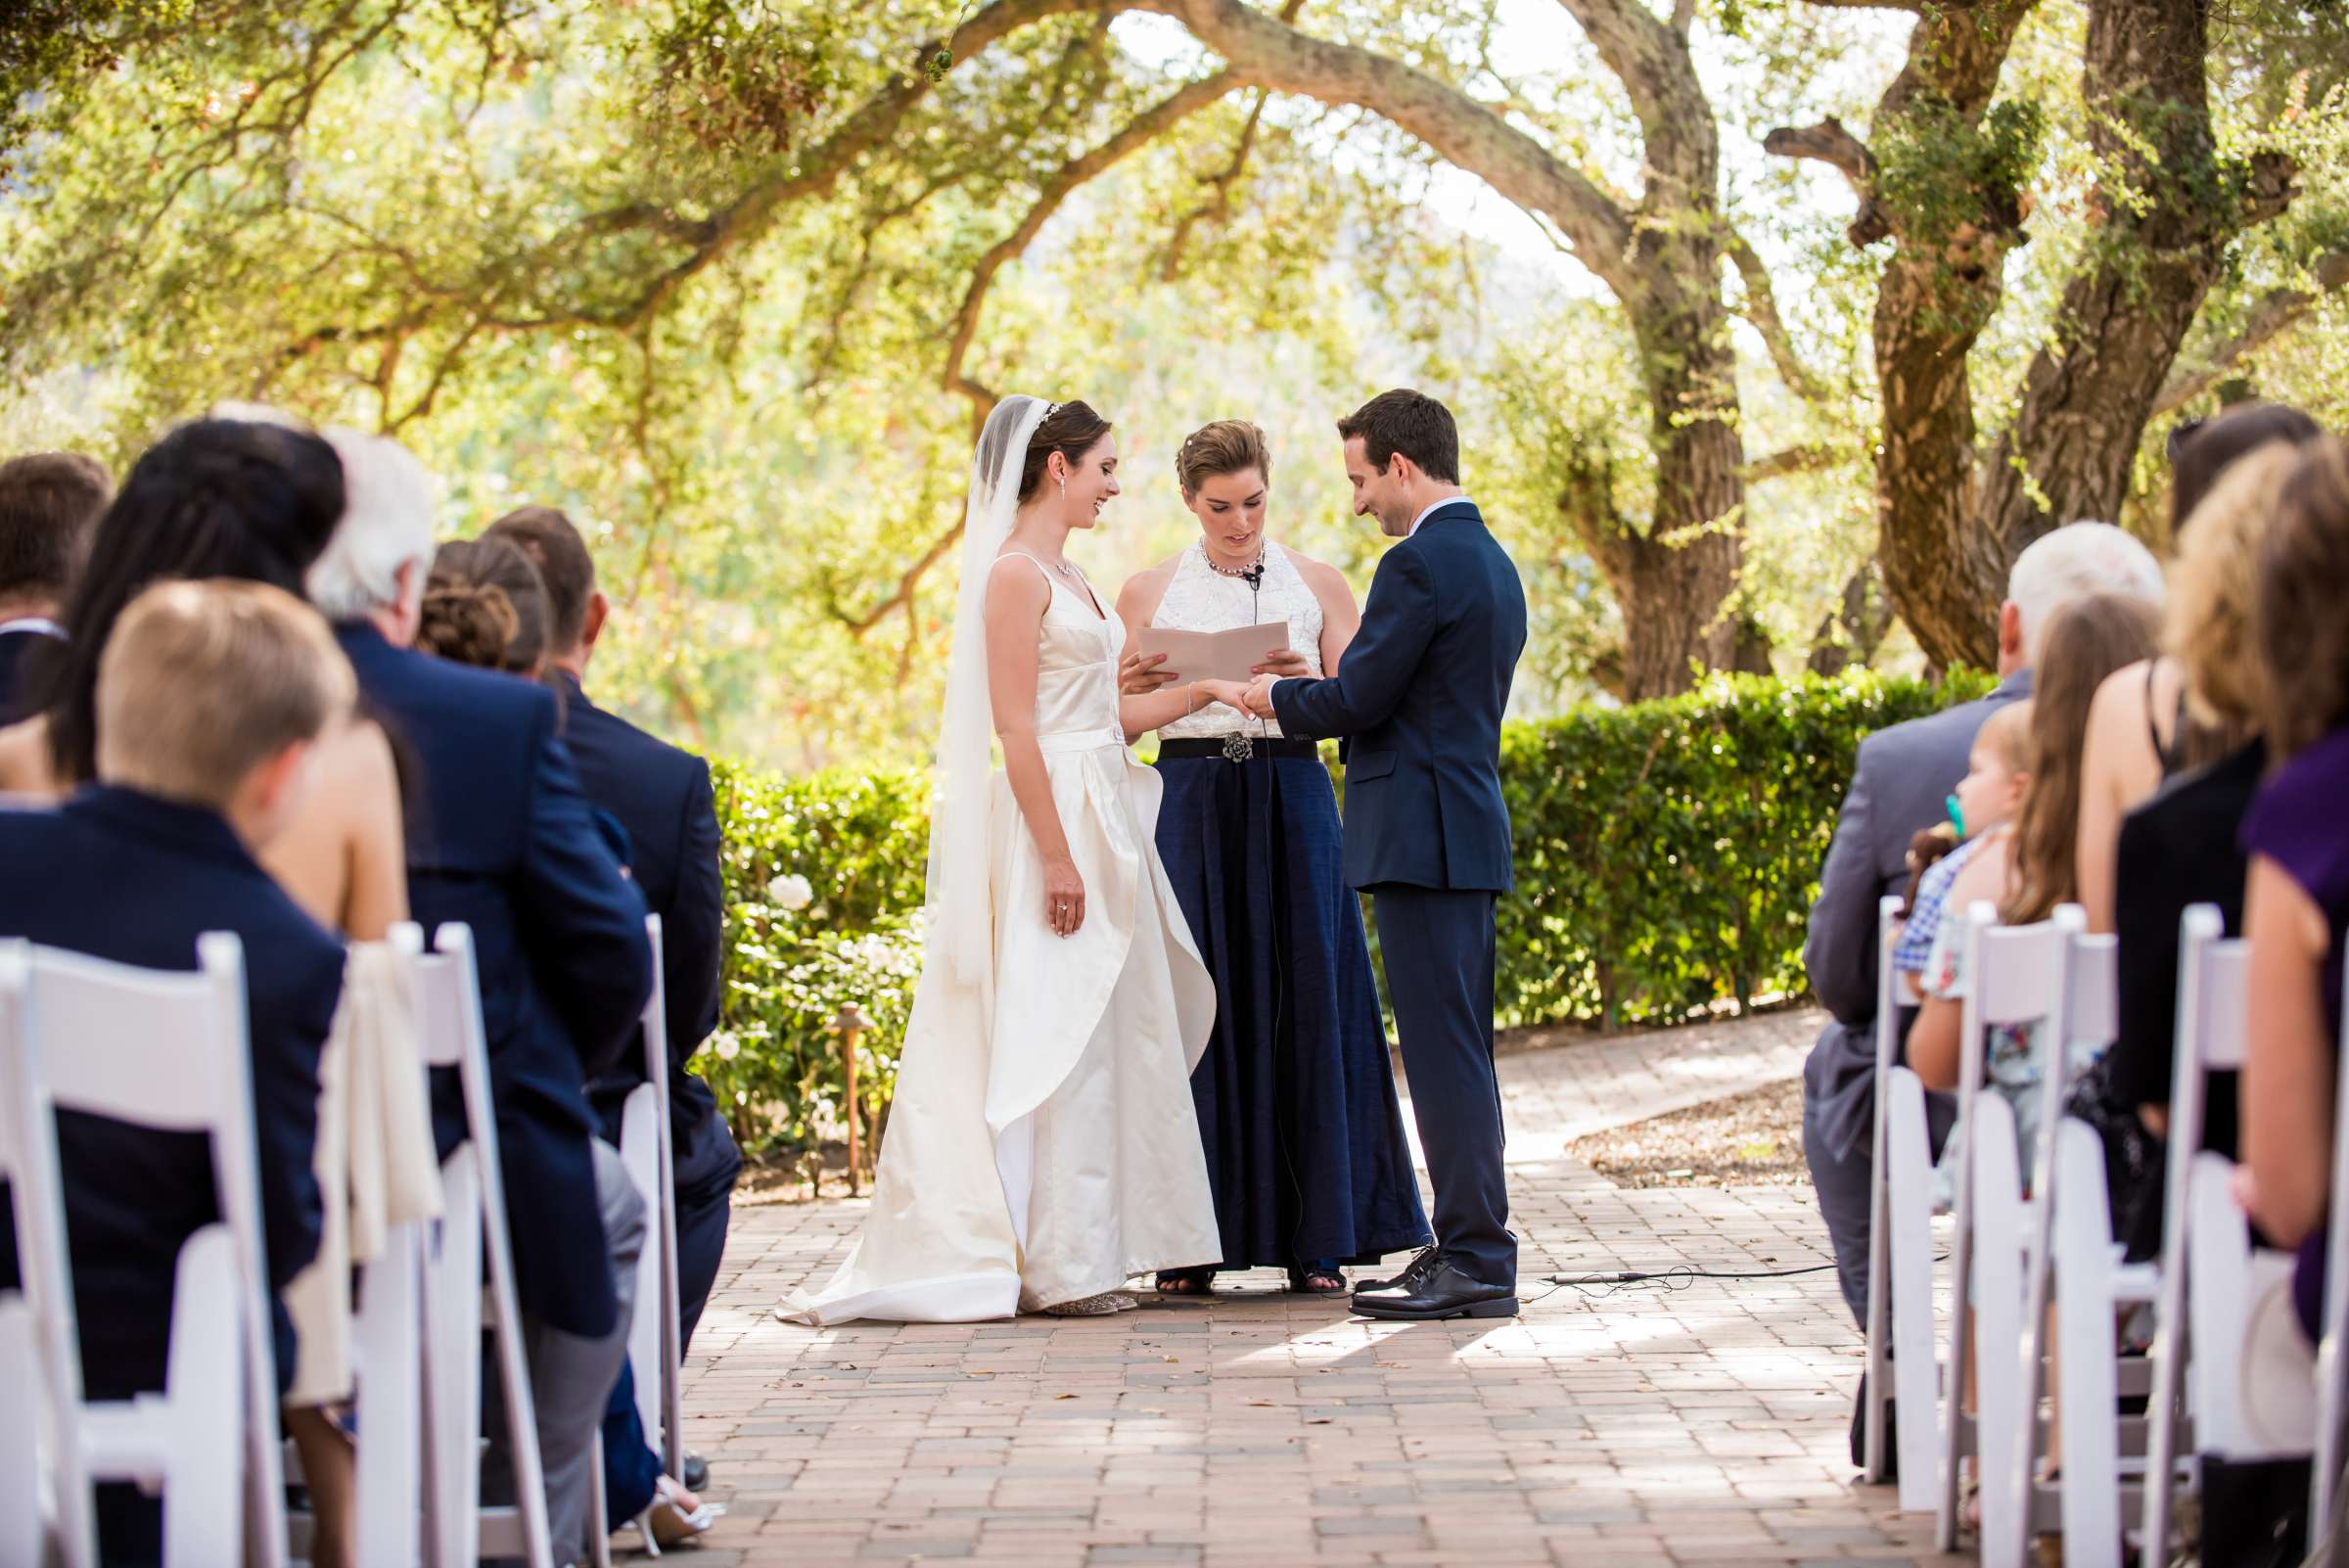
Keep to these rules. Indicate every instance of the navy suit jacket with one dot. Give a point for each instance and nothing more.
(124, 876)
(16, 647)
(662, 797)
(501, 837)
(1421, 691)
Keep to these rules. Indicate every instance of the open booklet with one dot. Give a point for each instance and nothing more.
(1232, 655)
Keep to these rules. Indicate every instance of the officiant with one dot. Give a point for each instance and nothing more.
(1296, 1101)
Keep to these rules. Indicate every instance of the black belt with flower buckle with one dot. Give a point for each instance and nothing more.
(1245, 746)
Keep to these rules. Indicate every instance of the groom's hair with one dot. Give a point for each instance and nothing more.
(1413, 424)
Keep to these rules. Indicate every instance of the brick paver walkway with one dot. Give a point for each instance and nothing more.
(1638, 1425)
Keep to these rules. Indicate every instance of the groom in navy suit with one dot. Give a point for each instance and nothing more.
(1419, 696)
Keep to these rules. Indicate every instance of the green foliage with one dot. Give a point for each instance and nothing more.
(1667, 855)
(859, 842)
(1668, 852)
(1941, 171)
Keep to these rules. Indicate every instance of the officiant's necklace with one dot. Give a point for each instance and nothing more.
(1240, 746)
(1253, 573)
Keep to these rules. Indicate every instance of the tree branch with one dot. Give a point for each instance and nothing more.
(1762, 310)
(1219, 205)
(794, 176)
(1829, 143)
(1144, 128)
(1273, 54)
(1651, 58)
(1813, 457)
(2277, 314)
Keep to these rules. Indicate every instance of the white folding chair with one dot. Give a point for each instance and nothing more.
(167, 1051)
(387, 1365)
(1905, 1201)
(471, 1236)
(655, 1333)
(2014, 1254)
(2209, 1272)
(2016, 975)
(44, 1489)
(1873, 1436)
(2333, 1343)
(2101, 1450)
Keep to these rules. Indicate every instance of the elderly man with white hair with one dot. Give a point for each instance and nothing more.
(501, 837)
(1903, 777)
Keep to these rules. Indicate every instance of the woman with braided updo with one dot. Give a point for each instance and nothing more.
(485, 605)
(1296, 1103)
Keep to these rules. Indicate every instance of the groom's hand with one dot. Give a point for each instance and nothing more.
(1260, 697)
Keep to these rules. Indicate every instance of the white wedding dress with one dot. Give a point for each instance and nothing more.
(1041, 1147)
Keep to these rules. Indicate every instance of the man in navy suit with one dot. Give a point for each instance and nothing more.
(208, 699)
(663, 797)
(1420, 694)
(501, 836)
(50, 503)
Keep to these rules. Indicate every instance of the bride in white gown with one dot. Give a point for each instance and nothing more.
(1041, 1149)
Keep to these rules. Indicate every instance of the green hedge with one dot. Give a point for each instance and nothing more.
(1667, 856)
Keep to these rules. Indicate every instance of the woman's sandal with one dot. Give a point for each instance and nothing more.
(1186, 1282)
(1316, 1281)
(668, 1523)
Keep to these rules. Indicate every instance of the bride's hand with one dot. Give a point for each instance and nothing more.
(1139, 674)
(1064, 897)
(1231, 693)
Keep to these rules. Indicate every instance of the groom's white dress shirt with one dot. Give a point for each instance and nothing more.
(1449, 500)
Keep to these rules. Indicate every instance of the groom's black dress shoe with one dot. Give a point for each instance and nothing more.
(1443, 1291)
(1413, 1273)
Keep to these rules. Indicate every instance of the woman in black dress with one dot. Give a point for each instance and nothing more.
(1295, 1096)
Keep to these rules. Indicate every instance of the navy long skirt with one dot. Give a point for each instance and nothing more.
(1296, 1099)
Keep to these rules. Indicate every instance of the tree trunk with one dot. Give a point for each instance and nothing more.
(1853, 633)
(1675, 581)
(2090, 390)
(1952, 517)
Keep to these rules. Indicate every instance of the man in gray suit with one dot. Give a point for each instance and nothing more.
(1899, 785)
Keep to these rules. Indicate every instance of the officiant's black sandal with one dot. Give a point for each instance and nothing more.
(1186, 1282)
(1315, 1280)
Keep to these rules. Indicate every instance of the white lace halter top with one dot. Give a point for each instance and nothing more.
(1199, 598)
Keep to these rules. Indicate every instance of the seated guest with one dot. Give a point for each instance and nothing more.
(1982, 809)
(2026, 872)
(1900, 779)
(251, 497)
(49, 504)
(210, 698)
(2141, 730)
(504, 839)
(485, 605)
(2183, 846)
(661, 796)
(2296, 897)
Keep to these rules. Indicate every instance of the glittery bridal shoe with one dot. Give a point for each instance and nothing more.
(1100, 1306)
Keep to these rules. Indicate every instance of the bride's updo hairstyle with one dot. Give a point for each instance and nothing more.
(1226, 447)
(1071, 430)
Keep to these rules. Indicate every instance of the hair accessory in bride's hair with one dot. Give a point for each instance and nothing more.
(1050, 409)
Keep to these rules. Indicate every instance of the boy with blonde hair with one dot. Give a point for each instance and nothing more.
(210, 698)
